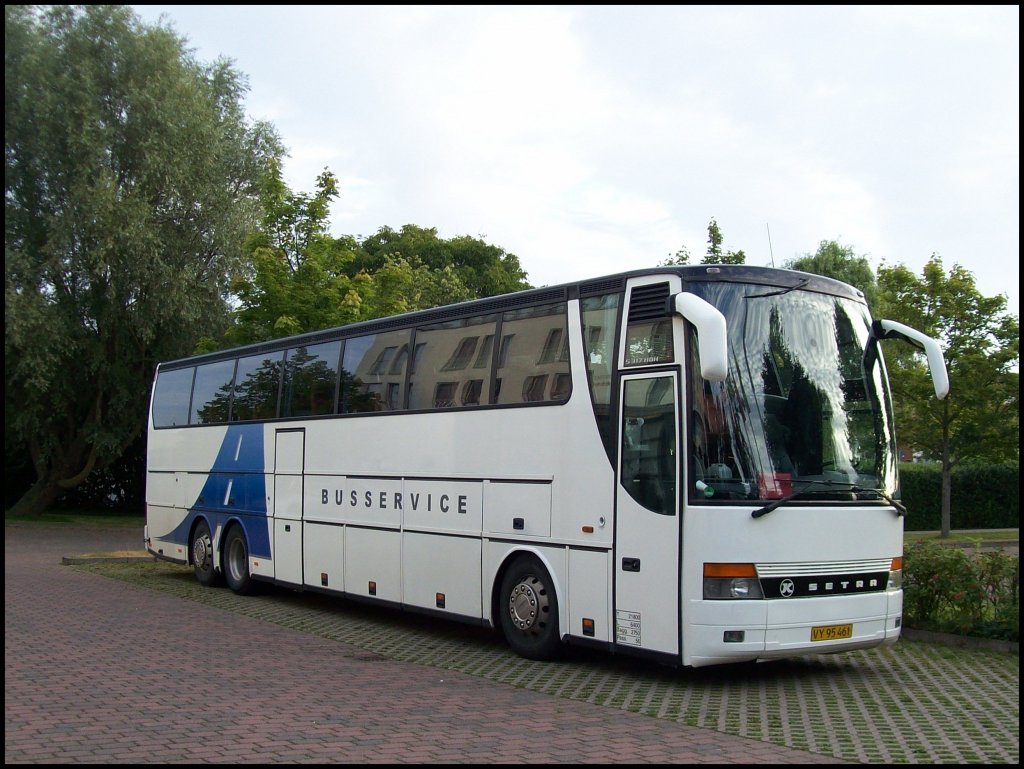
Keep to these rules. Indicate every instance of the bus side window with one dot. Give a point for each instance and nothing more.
(374, 371)
(172, 396)
(257, 382)
(452, 365)
(211, 396)
(310, 380)
(533, 353)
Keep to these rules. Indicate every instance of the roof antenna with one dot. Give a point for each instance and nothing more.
(770, 243)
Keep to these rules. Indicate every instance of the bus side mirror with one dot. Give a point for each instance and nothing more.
(890, 329)
(711, 334)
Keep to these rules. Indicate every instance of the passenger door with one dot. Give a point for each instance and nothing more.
(647, 514)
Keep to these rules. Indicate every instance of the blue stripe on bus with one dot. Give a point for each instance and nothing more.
(236, 489)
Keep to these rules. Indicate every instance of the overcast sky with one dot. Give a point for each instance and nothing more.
(588, 140)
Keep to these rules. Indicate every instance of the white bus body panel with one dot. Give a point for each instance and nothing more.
(373, 563)
(590, 593)
(323, 555)
(287, 561)
(456, 587)
(776, 626)
(517, 509)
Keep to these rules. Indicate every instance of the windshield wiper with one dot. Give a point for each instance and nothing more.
(801, 284)
(900, 509)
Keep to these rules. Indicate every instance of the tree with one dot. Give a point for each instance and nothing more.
(131, 181)
(681, 256)
(295, 223)
(714, 254)
(299, 275)
(339, 281)
(837, 261)
(979, 419)
(486, 270)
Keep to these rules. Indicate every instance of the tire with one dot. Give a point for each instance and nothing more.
(236, 562)
(201, 556)
(529, 610)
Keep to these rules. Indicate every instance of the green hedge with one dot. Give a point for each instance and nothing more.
(952, 590)
(982, 496)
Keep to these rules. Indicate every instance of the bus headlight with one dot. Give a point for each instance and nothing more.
(731, 581)
(896, 574)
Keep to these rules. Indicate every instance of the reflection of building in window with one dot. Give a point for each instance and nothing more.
(392, 401)
(561, 387)
(462, 355)
(658, 390)
(595, 344)
(373, 391)
(444, 395)
(483, 358)
(398, 366)
(471, 392)
(506, 343)
(551, 345)
(533, 387)
(381, 364)
(416, 356)
(649, 342)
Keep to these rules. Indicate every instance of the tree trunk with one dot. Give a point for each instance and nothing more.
(36, 500)
(947, 485)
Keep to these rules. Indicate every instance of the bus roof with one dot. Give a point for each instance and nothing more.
(727, 273)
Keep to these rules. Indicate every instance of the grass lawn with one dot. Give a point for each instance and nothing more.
(972, 535)
(87, 517)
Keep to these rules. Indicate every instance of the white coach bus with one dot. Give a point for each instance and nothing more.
(695, 464)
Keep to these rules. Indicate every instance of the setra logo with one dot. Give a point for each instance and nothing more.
(787, 588)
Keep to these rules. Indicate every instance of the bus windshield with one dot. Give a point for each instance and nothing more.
(802, 411)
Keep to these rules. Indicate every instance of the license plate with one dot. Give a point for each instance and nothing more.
(831, 632)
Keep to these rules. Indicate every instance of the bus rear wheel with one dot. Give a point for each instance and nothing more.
(529, 610)
(236, 562)
(202, 556)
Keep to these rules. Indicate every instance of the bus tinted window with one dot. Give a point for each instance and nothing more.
(257, 381)
(211, 397)
(311, 380)
(600, 316)
(534, 355)
(171, 398)
(453, 364)
(649, 443)
(649, 326)
(374, 371)
(649, 342)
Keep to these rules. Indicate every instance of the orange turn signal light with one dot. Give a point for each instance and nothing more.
(729, 570)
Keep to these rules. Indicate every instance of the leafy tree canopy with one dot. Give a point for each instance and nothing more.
(336, 281)
(840, 262)
(979, 419)
(131, 181)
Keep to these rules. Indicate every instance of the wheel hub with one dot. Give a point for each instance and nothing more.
(526, 604)
(201, 552)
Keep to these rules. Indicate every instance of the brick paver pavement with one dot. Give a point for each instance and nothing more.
(98, 671)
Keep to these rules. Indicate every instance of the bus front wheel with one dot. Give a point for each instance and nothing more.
(202, 556)
(529, 610)
(236, 562)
